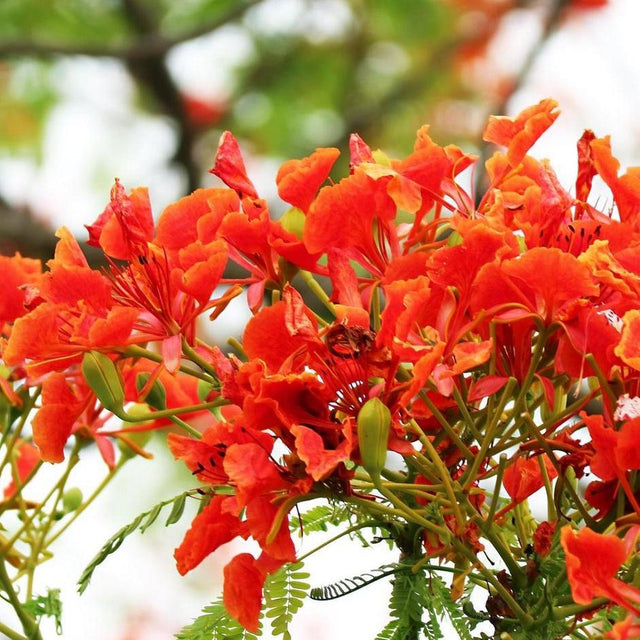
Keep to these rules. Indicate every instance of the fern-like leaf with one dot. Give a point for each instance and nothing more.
(142, 522)
(406, 606)
(442, 597)
(284, 592)
(215, 624)
(319, 518)
(349, 585)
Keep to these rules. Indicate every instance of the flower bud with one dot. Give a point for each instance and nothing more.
(156, 397)
(71, 499)
(293, 221)
(374, 422)
(102, 376)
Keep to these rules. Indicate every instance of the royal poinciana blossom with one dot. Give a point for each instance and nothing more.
(490, 341)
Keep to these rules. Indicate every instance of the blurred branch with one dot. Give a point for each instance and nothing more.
(549, 27)
(152, 72)
(23, 232)
(148, 45)
(146, 61)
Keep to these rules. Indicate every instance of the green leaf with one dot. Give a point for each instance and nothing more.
(143, 522)
(282, 599)
(349, 585)
(215, 623)
(49, 605)
(177, 510)
(442, 596)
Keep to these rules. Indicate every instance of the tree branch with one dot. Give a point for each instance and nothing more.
(549, 27)
(148, 45)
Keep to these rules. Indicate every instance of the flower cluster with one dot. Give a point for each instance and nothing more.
(428, 357)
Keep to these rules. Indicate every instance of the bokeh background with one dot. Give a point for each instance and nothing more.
(141, 90)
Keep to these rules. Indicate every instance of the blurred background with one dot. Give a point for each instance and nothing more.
(141, 90)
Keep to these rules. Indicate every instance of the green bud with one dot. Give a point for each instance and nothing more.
(71, 499)
(157, 396)
(293, 221)
(102, 376)
(131, 443)
(374, 422)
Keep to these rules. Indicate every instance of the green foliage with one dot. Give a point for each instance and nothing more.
(142, 522)
(49, 605)
(60, 20)
(414, 594)
(319, 518)
(440, 602)
(406, 607)
(214, 624)
(284, 592)
(349, 585)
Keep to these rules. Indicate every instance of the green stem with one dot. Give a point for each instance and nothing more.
(105, 481)
(346, 532)
(29, 625)
(504, 593)
(443, 472)
(559, 613)
(15, 435)
(135, 351)
(10, 633)
(410, 515)
(39, 544)
(495, 498)
(317, 290)
(468, 420)
(170, 413)
(450, 431)
(39, 509)
(201, 362)
(470, 475)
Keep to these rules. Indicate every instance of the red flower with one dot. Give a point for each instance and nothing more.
(542, 538)
(593, 560)
(627, 629)
(26, 460)
(229, 166)
(242, 594)
(520, 133)
(73, 312)
(530, 281)
(616, 452)
(524, 477)
(299, 180)
(211, 528)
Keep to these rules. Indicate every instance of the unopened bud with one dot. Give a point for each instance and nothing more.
(156, 397)
(374, 422)
(71, 499)
(102, 376)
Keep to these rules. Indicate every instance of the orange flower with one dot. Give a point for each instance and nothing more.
(520, 133)
(616, 452)
(299, 180)
(531, 281)
(627, 629)
(628, 349)
(593, 560)
(524, 477)
(625, 188)
(242, 594)
(26, 460)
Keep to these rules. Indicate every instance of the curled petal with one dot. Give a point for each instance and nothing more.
(520, 133)
(229, 166)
